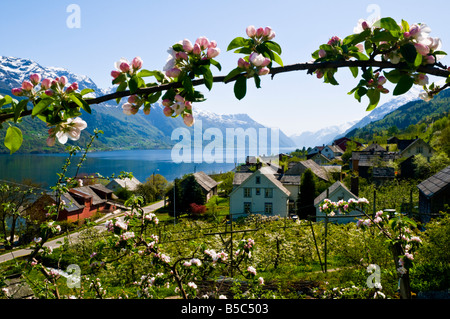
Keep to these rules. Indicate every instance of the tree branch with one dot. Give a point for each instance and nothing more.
(308, 66)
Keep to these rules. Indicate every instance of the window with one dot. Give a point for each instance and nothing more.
(247, 207)
(419, 149)
(258, 179)
(268, 208)
(258, 191)
(247, 192)
(268, 193)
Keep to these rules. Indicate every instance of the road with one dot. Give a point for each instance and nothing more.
(55, 243)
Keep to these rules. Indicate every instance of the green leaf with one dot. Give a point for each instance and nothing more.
(277, 59)
(357, 38)
(257, 81)
(403, 85)
(19, 108)
(418, 60)
(86, 91)
(354, 71)
(405, 26)
(240, 88)
(133, 84)
(13, 139)
(374, 98)
(236, 43)
(394, 75)
(5, 100)
(244, 50)
(178, 47)
(274, 46)
(360, 93)
(233, 73)
(153, 98)
(144, 73)
(409, 52)
(388, 24)
(216, 64)
(188, 87)
(41, 106)
(208, 77)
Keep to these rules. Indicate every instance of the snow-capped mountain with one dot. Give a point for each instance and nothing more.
(320, 137)
(152, 130)
(381, 111)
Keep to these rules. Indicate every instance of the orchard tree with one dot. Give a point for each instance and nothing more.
(406, 50)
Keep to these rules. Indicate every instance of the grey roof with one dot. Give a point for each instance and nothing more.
(239, 178)
(331, 189)
(302, 166)
(375, 147)
(127, 183)
(381, 172)
(206, 182)
(435, 183)
(87, 192)
(291, 179)
(335, 148)
(102, 188)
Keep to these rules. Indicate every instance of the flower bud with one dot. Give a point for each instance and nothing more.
(62, 81)
(213, 52)
(322, 53)
(179, 98)
(267, 31)
(259, 32)
(381, 80)
(127, 108)
(187, 45)
(212, 44)
(264, 71)
(27, 85)
(243, 64)
(51, 141)
(188, 119)
(365, 25)
(422, 48)
(168, 111)
(167, 102)
(197, 49)
(124, 67)
(115, 74)
(46, 84)
(251, 31)
(49, 92)
(17, 91)
(430, 59)
(35, 78)
(173, 73)
(132, 99)
(203, 42)
(146, 110)
(137, 63)
(181, 56)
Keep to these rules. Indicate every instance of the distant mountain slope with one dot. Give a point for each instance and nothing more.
(120, 131)
(410, 113)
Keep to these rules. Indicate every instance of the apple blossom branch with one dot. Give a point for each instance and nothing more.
(309, 66)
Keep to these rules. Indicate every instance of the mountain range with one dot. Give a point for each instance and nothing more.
(137, 131)
(328, 134)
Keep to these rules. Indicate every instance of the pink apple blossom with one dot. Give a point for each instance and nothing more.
(187, 45)
(35, 78)
(203, 42)
(124, 67)
(27, 85)
(188, 119)
(168, 111)
(264, 71)
(422, 49)
(137, 63)
(63, 81)
(17, 91)
(173, 73)
(197, 50)
(213, 52)
(46, 84)
(251, 31)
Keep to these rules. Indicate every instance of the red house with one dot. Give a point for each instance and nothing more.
(81, 202)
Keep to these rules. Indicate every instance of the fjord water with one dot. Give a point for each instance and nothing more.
(43, 168)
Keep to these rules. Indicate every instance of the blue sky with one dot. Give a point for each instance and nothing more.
(294, 102)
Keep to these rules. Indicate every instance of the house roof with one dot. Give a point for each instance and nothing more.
(316, 156)
(332, 189)
(239, 178)
(414, 142)
(206, 182)
(86, 192)
(301, 167)
(375, 147)
(102, 188)
(127, 183)
(435, 183)
(335, 148)
(268, 172)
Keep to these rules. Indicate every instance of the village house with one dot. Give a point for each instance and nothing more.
(208, 185)
(127, 183)
(434, 194)
(343, 141)
(335, 193)
(332, 151)
(363, 162)
(80, 203)
(259, 192)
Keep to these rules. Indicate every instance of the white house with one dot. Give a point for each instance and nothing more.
(332, 151)
(259, 193)
(336, 192)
